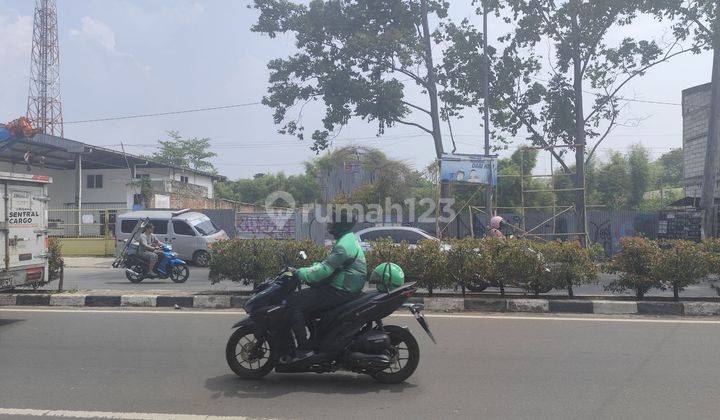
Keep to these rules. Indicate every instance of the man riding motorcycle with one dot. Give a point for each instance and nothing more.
(149, 245)
(337, 280)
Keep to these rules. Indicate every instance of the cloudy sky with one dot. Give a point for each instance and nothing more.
(131, 57)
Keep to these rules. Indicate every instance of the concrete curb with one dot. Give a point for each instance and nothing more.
(441, 304)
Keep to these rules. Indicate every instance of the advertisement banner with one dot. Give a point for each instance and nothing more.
(474, 169)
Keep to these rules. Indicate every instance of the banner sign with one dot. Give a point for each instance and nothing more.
(474, 169)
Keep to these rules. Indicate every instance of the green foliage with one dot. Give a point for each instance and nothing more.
(681, 264)
(518, 264)
(253, 260)
(639, 170)
(569, 263)
(192, 153)
(712, 247)
(636, 265)
(467, 261)
(355, 56)
(55, 259)
(669, 169)
(304, 188)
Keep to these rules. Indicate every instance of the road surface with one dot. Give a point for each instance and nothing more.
(484, 366)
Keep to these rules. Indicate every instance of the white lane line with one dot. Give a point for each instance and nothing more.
(590, 318)
(110, 415)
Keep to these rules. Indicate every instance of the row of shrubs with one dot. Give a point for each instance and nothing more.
(475, 264)
(465, 263)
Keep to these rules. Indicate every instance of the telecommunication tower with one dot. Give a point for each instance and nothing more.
(44, 108)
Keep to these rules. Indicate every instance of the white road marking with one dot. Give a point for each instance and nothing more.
(216, 312)
(110, 415)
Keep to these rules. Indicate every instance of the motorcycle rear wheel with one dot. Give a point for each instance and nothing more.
(139, 270)
(406, 359)
(247, 357)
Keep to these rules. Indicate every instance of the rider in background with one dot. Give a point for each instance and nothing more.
(495, 224)
(149, 246)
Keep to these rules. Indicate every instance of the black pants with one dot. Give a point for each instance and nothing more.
(310, 301)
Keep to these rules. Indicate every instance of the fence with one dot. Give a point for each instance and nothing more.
(86, 222)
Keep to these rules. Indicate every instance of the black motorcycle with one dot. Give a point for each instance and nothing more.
(350, 337)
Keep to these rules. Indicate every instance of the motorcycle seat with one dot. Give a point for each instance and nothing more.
(350, 306)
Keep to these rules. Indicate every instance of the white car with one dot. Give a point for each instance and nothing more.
(397, 234)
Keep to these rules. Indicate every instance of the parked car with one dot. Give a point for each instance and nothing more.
(189, 233)
(397, 234)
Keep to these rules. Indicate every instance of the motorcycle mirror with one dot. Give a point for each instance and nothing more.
(303, 255)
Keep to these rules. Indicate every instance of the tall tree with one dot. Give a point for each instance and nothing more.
(356, 56)
(192, 153)
(699, 21)
(547, 97)
(638, 159)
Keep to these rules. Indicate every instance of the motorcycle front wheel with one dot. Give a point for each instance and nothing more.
(405, 358)
(179, 273)
(247, 356)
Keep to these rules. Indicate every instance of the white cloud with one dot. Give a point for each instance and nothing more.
(97, 32)
(15, 37)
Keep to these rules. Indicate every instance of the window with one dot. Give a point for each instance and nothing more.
(182, 228)
(374, 235)
(408, 236)
(127, 226)
(160, 226)
(184, 179)
(94, 181)
(207, 228)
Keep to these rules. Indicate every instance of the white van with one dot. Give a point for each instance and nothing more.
(190, 233)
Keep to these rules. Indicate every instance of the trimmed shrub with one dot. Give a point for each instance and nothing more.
(712, 247)
(55, 259)
(681, 264)
(467, 263)
(520, 265)
(254, 260)
(569, 265)
(636, 264)
(492, 248)
(429, 263)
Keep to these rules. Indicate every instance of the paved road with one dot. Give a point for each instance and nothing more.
(101, 278)
(483, 367)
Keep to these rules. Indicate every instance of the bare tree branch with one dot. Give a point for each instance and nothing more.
(597, 107)
(609, 129)
(529, 127)
(397, 120)
(419, 108)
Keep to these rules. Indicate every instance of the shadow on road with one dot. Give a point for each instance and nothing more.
(276, 385)
(4, 322)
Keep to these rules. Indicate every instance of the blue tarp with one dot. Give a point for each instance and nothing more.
(4, 133)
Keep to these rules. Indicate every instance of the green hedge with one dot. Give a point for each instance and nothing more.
(642, 264)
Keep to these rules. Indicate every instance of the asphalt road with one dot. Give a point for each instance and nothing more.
(489, 367)
(102, 278)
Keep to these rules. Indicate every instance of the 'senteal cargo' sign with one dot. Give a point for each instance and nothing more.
(24, 217)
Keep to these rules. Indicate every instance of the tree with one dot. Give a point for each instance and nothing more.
(670, 169)
(355, 55)
(638, 159)
(192, 153)
(303, 188)
(699, 21)
(582, 69)
(614, 182)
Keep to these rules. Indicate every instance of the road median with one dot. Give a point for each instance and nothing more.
(436, 304)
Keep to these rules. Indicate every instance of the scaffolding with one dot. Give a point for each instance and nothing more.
(556, 209)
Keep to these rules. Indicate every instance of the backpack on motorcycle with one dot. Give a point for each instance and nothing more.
(388, 276)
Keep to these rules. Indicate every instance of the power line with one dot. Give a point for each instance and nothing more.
(159, 114)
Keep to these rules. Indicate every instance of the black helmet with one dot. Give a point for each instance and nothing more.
(341, 222)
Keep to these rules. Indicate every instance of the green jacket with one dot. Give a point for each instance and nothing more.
(339, 268)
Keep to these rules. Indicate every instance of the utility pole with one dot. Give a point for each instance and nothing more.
(486, 116)
(707, 198)
(44, 109)
(431, 82)
(580, 140)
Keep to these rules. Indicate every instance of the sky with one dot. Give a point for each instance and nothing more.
(129, 57)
